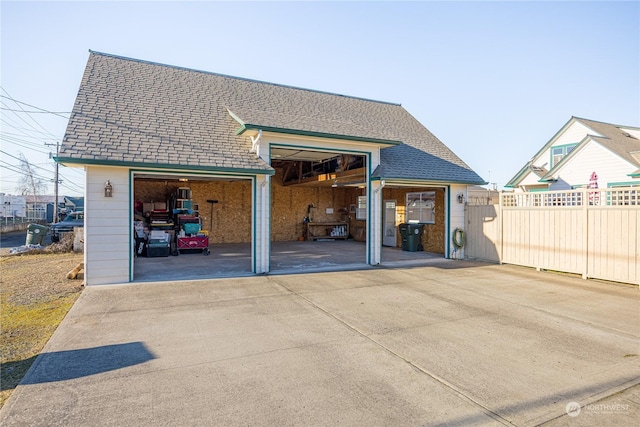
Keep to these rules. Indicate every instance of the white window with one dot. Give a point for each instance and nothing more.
(558, 152)
(421, 207)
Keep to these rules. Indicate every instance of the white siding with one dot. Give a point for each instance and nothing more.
(107, 231)
(456, 218)
(573, 134)
(531, 179)
(593, 157)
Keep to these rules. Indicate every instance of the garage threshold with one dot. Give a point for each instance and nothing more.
(234, 260)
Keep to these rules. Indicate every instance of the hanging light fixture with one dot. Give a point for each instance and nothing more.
(108, 189)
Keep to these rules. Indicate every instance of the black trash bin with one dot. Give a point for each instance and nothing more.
(411, 236)
(404, 229)
(36, 234)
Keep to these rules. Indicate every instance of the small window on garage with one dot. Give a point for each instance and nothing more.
(361, 210)
(421, 207)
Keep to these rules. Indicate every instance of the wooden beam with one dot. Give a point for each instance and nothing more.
(327, 179)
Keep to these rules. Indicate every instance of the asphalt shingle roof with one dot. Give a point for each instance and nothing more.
(615, 139)
(135, 111)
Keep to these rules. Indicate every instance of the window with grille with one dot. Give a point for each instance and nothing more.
(421, 207)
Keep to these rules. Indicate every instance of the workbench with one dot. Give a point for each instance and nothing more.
(326, 230)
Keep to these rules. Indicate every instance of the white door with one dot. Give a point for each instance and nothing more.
(390, 228)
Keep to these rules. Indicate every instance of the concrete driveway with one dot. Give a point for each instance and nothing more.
(453, 343)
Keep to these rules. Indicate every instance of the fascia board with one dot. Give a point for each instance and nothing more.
(247, 126)
(116, 163)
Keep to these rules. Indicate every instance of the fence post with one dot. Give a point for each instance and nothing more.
(500, 227)
(585, 210)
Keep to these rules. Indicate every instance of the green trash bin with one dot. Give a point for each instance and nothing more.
(36, 234)
(413, 237)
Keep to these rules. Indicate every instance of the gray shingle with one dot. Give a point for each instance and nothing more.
(159, 114)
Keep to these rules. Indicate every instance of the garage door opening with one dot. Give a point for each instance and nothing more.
(318, 210)
(190, 226)
(415, 222)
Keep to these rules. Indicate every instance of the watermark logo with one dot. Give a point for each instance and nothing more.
(573, 409)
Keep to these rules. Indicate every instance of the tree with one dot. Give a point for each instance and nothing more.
(29, 182)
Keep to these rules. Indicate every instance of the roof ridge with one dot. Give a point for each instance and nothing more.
(605, 123)
(160, 64)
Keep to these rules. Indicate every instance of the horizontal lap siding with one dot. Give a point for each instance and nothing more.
(108, 227)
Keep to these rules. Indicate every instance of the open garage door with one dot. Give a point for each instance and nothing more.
(191, 226)
(318, 220)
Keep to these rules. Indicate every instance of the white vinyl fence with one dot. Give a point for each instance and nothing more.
(591, 232)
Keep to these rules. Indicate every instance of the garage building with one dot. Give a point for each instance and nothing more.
(220, 164)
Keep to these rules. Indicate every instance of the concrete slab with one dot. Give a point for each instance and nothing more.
(452, 343)
(234, 260)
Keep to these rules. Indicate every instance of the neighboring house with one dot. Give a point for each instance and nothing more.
(41, 206)
(13, 206)
(275, 157)
(579, 149)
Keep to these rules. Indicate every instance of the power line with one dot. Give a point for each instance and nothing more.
(27, 144)
(13, 169)
(56, 113)
(40, 110)
(23, 160)
(28, 115)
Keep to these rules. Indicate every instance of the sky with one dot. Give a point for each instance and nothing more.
(494, 81)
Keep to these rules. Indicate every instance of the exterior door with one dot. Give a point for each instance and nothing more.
(390, 229)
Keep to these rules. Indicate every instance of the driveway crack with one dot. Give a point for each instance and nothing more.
(487, 411)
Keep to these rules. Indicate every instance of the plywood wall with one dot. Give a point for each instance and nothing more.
(433, 234)
(290, 205)
(228, 221)
(231, 218)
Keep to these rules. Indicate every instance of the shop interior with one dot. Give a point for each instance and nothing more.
(318, 219)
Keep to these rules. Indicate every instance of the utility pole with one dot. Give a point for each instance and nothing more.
(55, 185)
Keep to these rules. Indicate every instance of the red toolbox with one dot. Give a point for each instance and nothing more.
(200, 242)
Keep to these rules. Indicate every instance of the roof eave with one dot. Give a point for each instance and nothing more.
(423, 181)
(120, 163)
(383, 142)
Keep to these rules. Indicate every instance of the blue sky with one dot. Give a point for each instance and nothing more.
(493, 80)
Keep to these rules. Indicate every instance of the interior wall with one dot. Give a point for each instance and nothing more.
(290, 205)
(433, 236)
(230, 219)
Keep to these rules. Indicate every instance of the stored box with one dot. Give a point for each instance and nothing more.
(158, 248)
(191, 228)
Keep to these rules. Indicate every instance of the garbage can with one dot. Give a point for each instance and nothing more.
(411, 236)
(36, 234)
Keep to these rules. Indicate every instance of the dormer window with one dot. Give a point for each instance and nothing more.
(558, 152)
